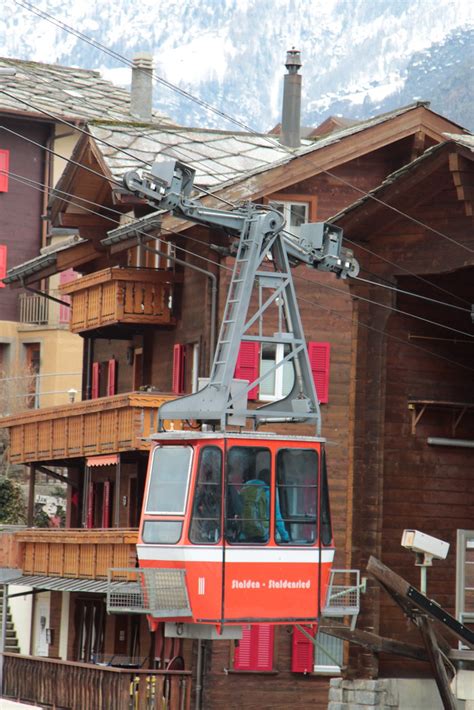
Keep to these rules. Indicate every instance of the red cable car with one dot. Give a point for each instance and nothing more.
(236, 527)
(246, 518)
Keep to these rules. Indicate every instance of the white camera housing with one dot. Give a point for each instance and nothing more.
(424, 544)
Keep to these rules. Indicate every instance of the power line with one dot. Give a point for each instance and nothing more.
(62, 25)
(411, 293)
(386, 335)
(313, 283)
(82, 200)
(134, 157)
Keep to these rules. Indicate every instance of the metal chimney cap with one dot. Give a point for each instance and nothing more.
(293, 60)
(143, 60)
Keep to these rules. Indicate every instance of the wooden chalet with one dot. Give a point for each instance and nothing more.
(148, 320)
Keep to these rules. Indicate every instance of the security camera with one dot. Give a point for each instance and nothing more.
(426, 545)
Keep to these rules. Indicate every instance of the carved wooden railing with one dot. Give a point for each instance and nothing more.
(117, 296)
(76, 553)
(92, 427)
(82, 686)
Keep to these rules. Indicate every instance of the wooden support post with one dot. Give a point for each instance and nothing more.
(437, 663)
(31, 498)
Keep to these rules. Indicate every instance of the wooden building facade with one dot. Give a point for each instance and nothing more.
(147, 327)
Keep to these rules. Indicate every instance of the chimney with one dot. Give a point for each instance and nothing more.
(291, 111)
(142, 86)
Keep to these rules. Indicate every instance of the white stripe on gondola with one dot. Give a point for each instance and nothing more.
(257, 555)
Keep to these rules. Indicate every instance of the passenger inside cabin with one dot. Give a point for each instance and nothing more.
(255, 497)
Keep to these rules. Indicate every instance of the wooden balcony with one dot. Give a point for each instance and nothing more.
(118, 296)
(77, 686)
(92, 427)
(11, 550)
(75, 553)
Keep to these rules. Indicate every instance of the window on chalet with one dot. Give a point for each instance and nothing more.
(465, 577)
(256, 360)
(104, 378)
(325, 657)
(254, 651)
(295, 213)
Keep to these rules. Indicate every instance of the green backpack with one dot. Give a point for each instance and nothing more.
(255, 513)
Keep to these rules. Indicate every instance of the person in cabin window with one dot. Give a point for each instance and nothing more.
(255, 497)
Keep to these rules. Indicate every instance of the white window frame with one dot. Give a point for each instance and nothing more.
(335, 650)
(465, 538)
(278, 392)
(287, 205)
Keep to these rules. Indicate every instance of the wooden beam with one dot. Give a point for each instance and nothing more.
(415, 604)
(437, 663)
(374, 642)
(463, 178)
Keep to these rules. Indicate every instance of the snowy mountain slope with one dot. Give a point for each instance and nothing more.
(358, 55)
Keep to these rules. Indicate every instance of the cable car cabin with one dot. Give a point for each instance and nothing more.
(245, 518)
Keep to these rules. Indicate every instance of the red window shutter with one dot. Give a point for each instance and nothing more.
(243, 655)
(95, 380)
(264, 650)
(319, 361)
(178, 369)
(3, 263)
(4, 167)
(90, 506)
(111, 377)
(255, 649)
(248, 365)
(302, 653)
(106, 505)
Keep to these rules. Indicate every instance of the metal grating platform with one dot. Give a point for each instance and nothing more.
(158, 592)
(343, 597)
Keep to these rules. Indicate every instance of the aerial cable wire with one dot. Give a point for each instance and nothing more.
(80, 35)
(136, 158)
(40, 187)
(108, 209)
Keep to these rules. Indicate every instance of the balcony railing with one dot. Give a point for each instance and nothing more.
(120, 296)
(39, 310)
(11, 551)
(97, 426)
(76, 686)
(75, 553)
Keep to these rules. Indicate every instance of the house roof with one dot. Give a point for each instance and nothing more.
(373, 196)
(68, 92)
(217, 156)
(248, 165)
(46, 260)
(220, 158)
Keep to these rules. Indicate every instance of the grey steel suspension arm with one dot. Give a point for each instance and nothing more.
(169, 185)
(256, 231)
